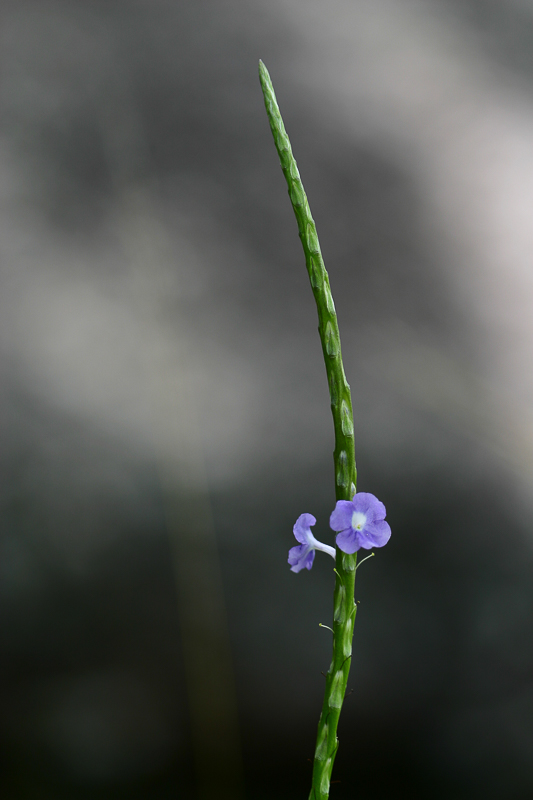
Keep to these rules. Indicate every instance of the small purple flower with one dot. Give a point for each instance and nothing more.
(360, 523)
(303, 555)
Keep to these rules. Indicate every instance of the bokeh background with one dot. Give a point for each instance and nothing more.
(165, 415)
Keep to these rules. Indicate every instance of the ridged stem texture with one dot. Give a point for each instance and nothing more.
(344, 607)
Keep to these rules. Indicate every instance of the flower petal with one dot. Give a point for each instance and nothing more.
(369, 504)
(341, 516)
(301, 557)
(295, 554)
(365, 541)
(302, 527)
(378, 533)
(348, 540)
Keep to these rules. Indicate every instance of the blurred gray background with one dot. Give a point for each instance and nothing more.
(165, 415)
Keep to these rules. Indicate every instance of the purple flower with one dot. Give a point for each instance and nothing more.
(360, 523)
(303, 555)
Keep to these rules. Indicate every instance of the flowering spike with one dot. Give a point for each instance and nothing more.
(343, 455)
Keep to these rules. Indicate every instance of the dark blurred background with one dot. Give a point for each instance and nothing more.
(165, 415)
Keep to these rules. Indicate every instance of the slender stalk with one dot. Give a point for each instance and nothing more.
(343, 455)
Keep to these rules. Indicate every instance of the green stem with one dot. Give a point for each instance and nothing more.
(343, 455)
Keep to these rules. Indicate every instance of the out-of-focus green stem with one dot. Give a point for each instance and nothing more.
(343, 455)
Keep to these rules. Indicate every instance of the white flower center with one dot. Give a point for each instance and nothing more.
(358, 520)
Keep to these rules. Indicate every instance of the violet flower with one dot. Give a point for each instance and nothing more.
(360, 523)
(303, 555)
